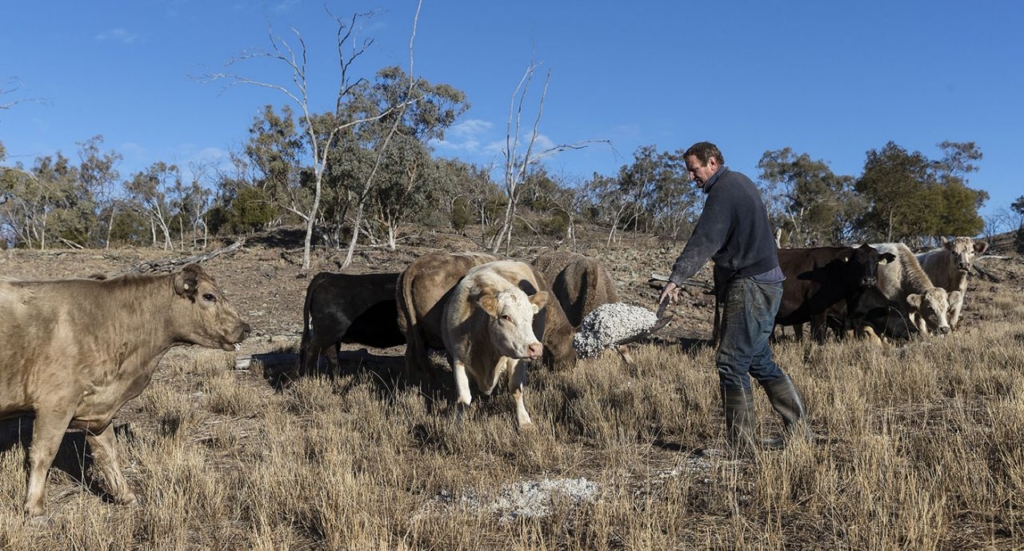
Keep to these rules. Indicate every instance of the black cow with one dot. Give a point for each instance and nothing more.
(346, 308)
(869, 315)
(817, 278)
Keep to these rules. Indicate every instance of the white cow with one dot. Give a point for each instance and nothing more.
(948, 266)
(488, 329)
(904, 282)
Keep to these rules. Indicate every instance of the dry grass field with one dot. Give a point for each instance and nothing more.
(919, 448)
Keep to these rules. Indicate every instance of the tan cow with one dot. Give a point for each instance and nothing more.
(75, 350)
(488, 330)
(423, 288)
(948, 266)
(904, 282)
(580, 283)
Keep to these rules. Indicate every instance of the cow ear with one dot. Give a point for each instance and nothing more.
(980, 247)
(885, 258)
(914, 300)
(539, 300)
(947, 243)
(489, 304)
(186, 282)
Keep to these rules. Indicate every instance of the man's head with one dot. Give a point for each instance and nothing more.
(703, 159)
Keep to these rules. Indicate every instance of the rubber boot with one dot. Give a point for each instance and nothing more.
(786, 402)
(739, 420)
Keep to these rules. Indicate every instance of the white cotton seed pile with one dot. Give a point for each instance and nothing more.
(608, 324)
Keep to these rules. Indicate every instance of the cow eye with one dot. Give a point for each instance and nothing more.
(209, 297)
(506, 317)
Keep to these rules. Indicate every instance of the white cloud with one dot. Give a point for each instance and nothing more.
(117, 35)
(464, 137)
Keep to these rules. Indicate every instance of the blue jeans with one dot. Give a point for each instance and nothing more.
(748, 317)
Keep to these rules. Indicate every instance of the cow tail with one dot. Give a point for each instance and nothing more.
(306, 334)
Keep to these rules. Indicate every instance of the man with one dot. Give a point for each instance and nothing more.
(733, 230)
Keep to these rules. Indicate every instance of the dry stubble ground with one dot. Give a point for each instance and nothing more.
(263, 281)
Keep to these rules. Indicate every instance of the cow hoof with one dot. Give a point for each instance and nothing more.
(127, 499)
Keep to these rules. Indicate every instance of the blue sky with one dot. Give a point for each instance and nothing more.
(830, 79)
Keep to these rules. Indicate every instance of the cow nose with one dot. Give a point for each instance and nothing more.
(246, 330)
(869, 282)
(535, 350)
(943, 330)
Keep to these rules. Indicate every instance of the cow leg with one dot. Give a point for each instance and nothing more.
(47, 432)
(954, 311)
(104, 453)
(517, 383)
(463, 398)
(918, 320)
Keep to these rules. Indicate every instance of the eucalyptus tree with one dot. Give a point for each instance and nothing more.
(806, 200)
(521, 156)
(402, 115)
(148, 192)
(99, 175)
(912, 197)
(319, 140)
(902, 194)
(960, 203)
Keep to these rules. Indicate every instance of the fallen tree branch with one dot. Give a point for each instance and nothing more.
(168, 264)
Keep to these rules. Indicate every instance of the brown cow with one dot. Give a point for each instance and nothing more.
(580, 283)
(488, 330)
(424, 287)
(76, 350)
(948, 266)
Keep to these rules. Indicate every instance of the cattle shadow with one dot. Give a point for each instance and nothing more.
(73, 458)
(386, 371)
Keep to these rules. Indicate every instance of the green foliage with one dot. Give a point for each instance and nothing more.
(911, 196)
(251, 210)
(806, 199)
(461, 215)
(556, 225)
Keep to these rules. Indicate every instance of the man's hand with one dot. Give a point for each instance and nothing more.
(669, 295)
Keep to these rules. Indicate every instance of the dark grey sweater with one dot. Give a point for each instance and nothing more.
(733, 230)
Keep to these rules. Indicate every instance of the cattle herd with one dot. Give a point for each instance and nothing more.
(86, 346)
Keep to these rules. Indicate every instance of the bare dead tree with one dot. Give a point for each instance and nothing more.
(382, 148)
(517, 166)
(320, 146)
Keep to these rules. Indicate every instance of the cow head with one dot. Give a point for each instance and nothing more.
(204, 316)
(963, 250)
(933, 306)
(510, 315)
(864, 262)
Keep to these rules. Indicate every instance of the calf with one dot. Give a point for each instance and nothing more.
(904, 282)
(818, 278)
(488, 329)
(347, 308)
(947, 267)
(580, 283)
(76, 350)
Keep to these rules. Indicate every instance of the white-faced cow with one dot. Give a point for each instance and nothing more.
(348, 308)
(75, 350)
(424, 287)
(488, 330)
(819, 278)
(904, 282)
(580, 283)
(948, 267)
